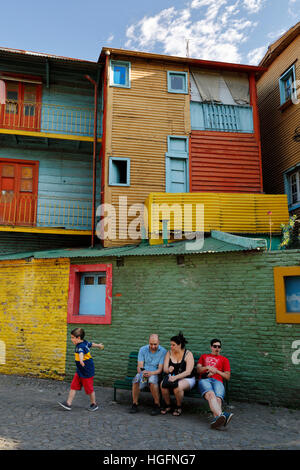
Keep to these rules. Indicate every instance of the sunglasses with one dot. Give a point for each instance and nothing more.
(216, 346)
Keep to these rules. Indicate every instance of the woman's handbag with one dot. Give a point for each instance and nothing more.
(167, 384)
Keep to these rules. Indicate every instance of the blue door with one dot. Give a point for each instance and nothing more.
(178, 177)
(177, 161)
(92, 294)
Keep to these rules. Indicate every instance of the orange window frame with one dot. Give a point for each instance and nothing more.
(282, 316)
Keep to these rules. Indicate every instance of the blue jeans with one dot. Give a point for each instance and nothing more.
(211, 385)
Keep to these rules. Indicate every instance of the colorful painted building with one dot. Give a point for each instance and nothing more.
(234, 288)
(278, 101)
(47, 136)
(135, 131)
(178, 127)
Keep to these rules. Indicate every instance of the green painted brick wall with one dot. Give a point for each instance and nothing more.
(229, 296)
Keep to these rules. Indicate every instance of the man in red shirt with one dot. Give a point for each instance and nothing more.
(213, 368)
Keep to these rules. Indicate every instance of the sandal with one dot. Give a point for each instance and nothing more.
(167, 409)
(177, 411)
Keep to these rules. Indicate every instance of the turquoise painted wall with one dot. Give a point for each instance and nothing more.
(65, 186)
(230, 296)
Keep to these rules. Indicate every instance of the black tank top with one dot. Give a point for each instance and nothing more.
(179, 367)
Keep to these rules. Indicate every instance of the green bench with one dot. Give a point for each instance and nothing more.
(126, 382)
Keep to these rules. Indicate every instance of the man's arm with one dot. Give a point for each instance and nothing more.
(213, 370)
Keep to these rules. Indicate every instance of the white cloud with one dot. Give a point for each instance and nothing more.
(253, 6)
(293, 8)
(212, 28)
(256, 55)
(110, 39)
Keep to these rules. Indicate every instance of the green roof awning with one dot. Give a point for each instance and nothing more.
(217, 242)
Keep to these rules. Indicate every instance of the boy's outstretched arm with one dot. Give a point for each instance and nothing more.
(98, 345)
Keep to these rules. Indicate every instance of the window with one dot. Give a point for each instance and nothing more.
(20, 103)
(120, 74)
(292, 187)
(287, 294)
(18, 192)
(177, 161)
(119, 171)
(90, 294)
(286, 85)
(177, 82)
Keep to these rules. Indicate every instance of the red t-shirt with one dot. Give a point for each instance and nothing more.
(219, 362)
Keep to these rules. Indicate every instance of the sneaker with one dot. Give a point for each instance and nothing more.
(93, 407)
(228, 417)
(134, 408)
(155, 410)
(218, 421)
(65, 405)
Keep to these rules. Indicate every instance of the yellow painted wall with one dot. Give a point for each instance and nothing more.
(33, 317)
(228, 212)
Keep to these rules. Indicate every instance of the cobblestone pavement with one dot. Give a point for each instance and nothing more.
(31, 419)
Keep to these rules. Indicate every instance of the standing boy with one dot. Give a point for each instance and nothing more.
(213, 368)
(85, 370)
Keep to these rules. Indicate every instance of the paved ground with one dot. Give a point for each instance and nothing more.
(31, 419)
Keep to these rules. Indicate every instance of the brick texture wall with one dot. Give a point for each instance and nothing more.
(225, 295)
(33, 297)
(229, 296)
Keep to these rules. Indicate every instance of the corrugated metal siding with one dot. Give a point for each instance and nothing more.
(233, 213)
(279, 151)
(224, 162)
(64, 179)
(11, 242)
(139, 120)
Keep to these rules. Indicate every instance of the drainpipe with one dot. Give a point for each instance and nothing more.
(94, 156)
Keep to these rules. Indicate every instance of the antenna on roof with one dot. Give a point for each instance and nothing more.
(187, 41)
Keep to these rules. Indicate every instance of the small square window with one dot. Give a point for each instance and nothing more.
(90, 294)
(177, 82)
(119, 171)
(287, 294)
(120, 74)
(286, 85)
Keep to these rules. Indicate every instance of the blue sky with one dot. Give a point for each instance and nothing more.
(228, 30)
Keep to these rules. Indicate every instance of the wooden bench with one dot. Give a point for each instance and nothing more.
(126, 382)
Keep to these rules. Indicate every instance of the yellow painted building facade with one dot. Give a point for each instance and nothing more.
(33, 317)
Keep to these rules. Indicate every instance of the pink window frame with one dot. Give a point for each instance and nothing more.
(74, 294)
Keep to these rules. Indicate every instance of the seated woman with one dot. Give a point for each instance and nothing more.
(179, 364)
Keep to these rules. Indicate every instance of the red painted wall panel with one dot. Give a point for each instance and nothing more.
(224, 162)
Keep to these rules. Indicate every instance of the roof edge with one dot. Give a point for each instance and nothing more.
(275, 49)
(187, 60)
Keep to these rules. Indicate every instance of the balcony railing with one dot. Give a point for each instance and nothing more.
(221, 117)
(31, 211)
(49, 118)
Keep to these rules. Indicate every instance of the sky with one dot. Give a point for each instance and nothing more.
(237, 31)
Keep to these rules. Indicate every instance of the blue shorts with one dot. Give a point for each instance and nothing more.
(153, 379)
(211, 385)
